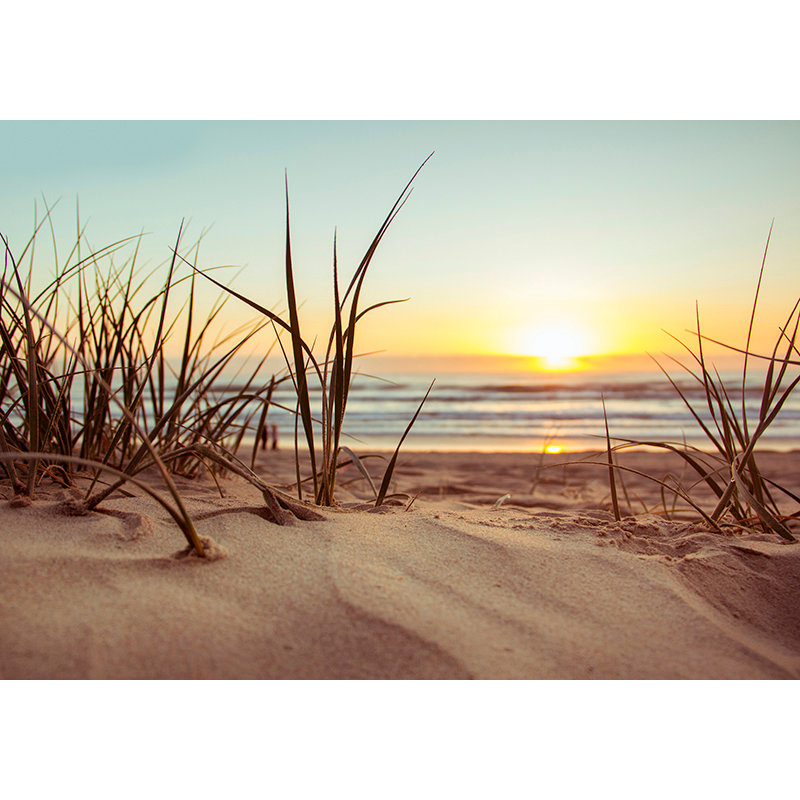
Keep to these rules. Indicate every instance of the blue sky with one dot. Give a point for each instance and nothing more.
(614, 228)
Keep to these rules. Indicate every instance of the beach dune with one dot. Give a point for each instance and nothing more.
(543, 585)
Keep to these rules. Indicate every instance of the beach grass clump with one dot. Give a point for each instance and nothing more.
(40, 372)
(109, 323)
(103, 398)
(322, 423)
(745, 497)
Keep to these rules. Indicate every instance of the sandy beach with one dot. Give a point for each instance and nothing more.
(543, 585)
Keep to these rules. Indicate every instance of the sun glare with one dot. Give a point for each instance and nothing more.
(556, 345)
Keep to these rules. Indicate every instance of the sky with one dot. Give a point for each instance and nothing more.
(558, 240)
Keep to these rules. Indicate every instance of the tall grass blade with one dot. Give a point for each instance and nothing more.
(303, 398)
(337, 380)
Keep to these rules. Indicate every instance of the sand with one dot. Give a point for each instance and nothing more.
(546, 585)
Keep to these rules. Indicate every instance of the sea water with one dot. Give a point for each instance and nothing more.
(527, 412)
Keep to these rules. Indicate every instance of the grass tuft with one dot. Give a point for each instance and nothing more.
(744, 496)
(103, 399)
(334, 371)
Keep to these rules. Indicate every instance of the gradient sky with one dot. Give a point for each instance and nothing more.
(517, 234)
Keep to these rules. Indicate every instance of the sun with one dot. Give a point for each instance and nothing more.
(557, 345)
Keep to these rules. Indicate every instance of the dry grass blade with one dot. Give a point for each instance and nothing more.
(611, 479)
(387, 475)
(359, 465)
(282, 508)
(78, 508)
(676, 490)
(750, 328)
(764, 514)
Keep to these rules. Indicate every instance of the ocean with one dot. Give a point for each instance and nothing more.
(520, 412)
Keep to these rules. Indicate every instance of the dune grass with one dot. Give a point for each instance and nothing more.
(333, 372)
(103, 400)
(745, 497)
(40, 432)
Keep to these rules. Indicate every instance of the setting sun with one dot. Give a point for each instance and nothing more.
(556, 344)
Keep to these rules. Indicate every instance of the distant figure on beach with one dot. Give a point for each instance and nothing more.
(273, 437)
